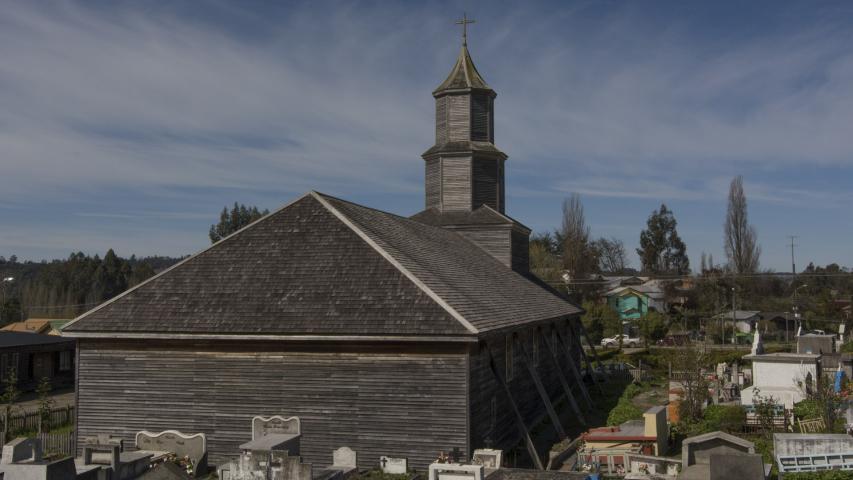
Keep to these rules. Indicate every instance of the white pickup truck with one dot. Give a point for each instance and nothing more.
(627, 341)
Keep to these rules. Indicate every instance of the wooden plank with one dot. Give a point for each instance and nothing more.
(534, 375)
(570, 396)
(456, 183)
(574, 368)
(594, 354)
(525, 433)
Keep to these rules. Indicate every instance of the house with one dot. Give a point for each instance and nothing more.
(33, 356)
(45, 326)
(634, 302)
(394, 336)
(744, 320)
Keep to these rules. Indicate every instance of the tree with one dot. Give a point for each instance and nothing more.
(688, 363)
(740, 238)
(579, 259)
(653, 327)
(45, 403)
(237, 218)
(9, 397)
(600, 321)
(611, 255)
(661, 249)
(544, 258)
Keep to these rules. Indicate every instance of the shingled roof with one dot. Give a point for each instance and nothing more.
(323, 266)
(463, 75)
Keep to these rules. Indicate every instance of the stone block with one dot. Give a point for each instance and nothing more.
(21, 450)
(395, 466)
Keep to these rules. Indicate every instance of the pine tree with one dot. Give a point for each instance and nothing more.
(661, 249)
(230, 222)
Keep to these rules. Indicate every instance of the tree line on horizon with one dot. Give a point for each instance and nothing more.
(69, 287)
(571, 259)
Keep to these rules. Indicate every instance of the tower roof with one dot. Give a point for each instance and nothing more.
(464, 75)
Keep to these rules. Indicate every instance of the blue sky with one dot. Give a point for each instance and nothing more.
(130, 125)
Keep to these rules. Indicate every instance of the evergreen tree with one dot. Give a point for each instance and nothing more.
(237, 218)
(661, 249)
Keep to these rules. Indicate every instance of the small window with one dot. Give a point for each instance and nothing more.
(509, 358)
(65, 361)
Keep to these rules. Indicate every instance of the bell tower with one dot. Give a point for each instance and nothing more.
(464, 169)
(465, 190)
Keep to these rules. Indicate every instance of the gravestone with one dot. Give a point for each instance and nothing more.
(395, 466)
(182, 445)
(274, 433)
(488, 458)
(263, 426)
(344, 458)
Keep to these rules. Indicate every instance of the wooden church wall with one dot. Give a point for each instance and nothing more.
(402, 401)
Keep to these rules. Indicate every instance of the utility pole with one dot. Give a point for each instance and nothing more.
(793, 265)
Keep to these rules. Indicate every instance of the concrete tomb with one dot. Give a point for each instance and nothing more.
(275, 433)
(272, 454)
(488, 458)
(699, 449)
(455, 471)
(193, 447)
(22, 460)
(395, 466)
(106, 453)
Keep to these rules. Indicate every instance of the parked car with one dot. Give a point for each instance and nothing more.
(675, 340)
(627, 341)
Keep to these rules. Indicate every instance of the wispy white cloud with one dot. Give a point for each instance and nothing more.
(608, 99)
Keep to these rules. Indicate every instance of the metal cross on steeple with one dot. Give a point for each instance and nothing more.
(464, 22)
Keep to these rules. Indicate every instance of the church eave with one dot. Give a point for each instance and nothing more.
(464, 148)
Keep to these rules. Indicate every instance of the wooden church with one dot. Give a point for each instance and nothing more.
(390, 335)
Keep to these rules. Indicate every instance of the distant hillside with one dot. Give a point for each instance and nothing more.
(66, 288)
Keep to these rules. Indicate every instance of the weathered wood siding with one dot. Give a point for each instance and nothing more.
(486, 183)
(402, 401)
(441, 120)
(456, 183)
(433, 183)
(459, 117)
(492, 420)
(520, 251)
(494, 239)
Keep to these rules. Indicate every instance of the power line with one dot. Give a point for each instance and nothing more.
(685, 277)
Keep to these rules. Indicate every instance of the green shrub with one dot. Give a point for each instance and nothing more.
(622, 412)
(808, 409)
(728, 418)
